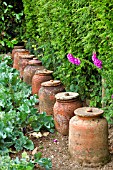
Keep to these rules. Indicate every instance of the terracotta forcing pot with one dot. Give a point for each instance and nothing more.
(16, 49)
(17, 57)
(23, 62)
(30, 70)
(47, 94)
(88, 137)
(39, 77)
(66, 103)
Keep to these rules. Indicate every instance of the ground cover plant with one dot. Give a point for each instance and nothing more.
(18, 115)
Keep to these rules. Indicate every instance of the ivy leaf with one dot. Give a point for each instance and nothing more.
(72, 87)
(17, 16)
(5, 11)
(2, 43)
(5, 3)
(2, 18)
(10, 6)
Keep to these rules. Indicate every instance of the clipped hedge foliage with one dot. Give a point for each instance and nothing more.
(77, 27)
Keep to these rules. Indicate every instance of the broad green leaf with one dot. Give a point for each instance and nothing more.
(29, 145)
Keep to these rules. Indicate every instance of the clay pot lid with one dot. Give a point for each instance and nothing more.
(44, 72)
(22, 50)
(66, 95)
(26, 56)
(35, 62)
(18, 47)
(34, 58)
(88, 112)
(51, 83)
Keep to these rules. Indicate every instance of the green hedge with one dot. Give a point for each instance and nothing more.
(77, 27)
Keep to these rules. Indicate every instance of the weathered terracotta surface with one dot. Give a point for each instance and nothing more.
(88, 137)
(39, 77)
(30, 70)
(23, 62)
(17, 57)
(16, 49)
(66, 103)
(47, 94)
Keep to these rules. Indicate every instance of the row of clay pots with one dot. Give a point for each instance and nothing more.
(61, 106)
(87, 128)
(26, 64)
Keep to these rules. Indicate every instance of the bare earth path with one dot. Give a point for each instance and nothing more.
(58, 152)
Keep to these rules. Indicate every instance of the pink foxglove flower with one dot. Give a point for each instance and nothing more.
(96, 61)
(94, 56)
(73, 60)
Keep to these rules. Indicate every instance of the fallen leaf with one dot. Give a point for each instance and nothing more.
(36, 135)
(34, 151)
(45, 133)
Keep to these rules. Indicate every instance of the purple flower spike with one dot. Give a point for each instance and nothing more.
(73, 60)
(77, 61)
(94, 56)
(70, 58)
(96, 61)
(112, 96)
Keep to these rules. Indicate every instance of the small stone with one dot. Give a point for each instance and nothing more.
(52, 156)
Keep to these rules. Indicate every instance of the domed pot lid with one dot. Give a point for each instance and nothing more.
(34, 58)
(22, 50)
(44, 72)
(66, 95)
(26, 56)
(35, 62)
(51, 83)
(88, 112)
(18, 47)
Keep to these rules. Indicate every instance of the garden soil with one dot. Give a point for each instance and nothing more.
(55, 147)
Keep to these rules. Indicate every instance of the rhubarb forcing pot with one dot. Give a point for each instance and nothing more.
(30, 70)
(39, 77)
(17, 57)
(16, 49)
(88, 137)
(66, 103)
(47, 94)
(23, 62)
